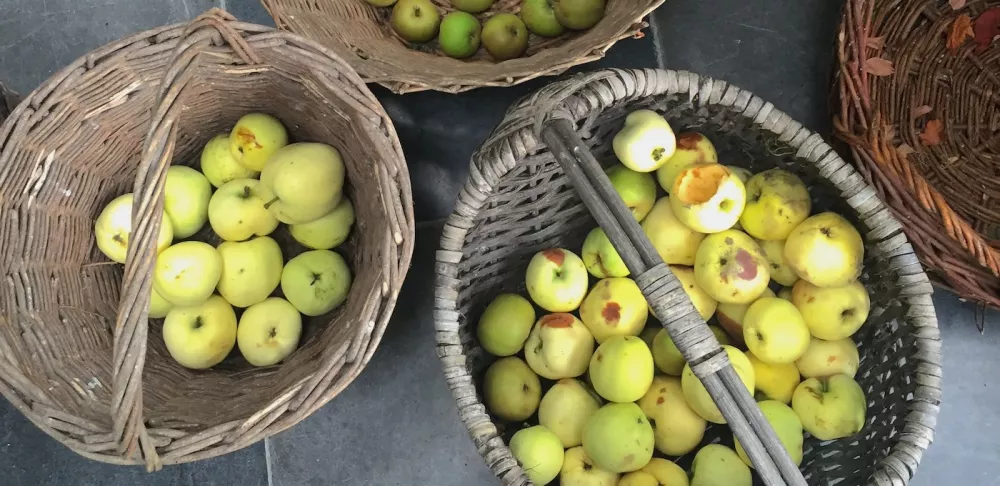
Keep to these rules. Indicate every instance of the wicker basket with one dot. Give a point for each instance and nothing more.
(360, 33)
(80, 358)
(518, 201)
(8, 100)
(924, 135)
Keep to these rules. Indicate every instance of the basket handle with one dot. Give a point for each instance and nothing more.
(666, 295)
(132, 321)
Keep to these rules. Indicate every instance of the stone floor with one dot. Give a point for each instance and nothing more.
(397, 424)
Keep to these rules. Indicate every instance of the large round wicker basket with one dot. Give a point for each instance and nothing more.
(518, 201)
(917, 88)
(78, 355)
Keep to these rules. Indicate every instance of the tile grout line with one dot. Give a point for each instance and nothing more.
(654, 29)
(267, 454)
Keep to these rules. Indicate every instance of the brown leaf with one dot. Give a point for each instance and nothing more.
(904, 150)
(876, 43)
(932, 132)
(961, 30)
(956, 4)
(878, 66)
(986, 27)
(921, 111)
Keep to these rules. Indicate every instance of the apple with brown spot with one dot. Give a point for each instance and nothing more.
(731, 267)
(692, 148)
(557, 280)
(559, 346)
(614, 307)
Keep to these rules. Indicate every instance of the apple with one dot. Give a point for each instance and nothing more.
(472, 6)
(460, 35)
(539, 452)
(557, 280)
(185, 200)
(831, 407)
(505, 36)
(777, 201)
(696, 394)
(646, 140)
(511, 390)
(742, 173)
(825, 250)
(781, 272)
(676, 427)
(720, 335)
(236, 211)
(600, 256)
(618, 438)
(316, 282)
(218, 164)
(303, 181)
(832, 313)
(328, 231)
(255, 138)
(202, 335)
(703, 302)
(775, 331)
(666, 472)
(638, 478)
(674, 241)
(251, 270)
(637, 189)
(578, 14)
(731, 267)
(621, 369)
(718, 465)
(827, 358)
(158, 306)
(666, 356)
(692, 148)
(774, 381)
(707, 198)
(540, 18)
(648, 334)
(186, 273)
(787, 426)
(614, 307)
(559, 346)
(730, 317)
(269, 331)
(505, 325)
(565, 410)
(579, 470)
(113, 229)
(415, 20)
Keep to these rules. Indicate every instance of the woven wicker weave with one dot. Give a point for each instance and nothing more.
(77, 354)
(518, 201)
(947, 193)
(360, 33)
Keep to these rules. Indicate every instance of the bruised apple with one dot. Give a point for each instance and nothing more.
(692, 148)
(731, 267)
(708, 198)
(614, 307)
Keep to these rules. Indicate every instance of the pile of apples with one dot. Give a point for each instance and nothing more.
(607, 387)
(251, 179)
(504, 35)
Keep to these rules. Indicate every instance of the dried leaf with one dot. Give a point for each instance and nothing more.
(878, 66)
(877, 43)
(961, 29)
(904, 150)
(921, 111)
(932, 132)
(956, 4)
(986, 27)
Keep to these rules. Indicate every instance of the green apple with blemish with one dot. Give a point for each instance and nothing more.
(511, 390)
(781, 272)
(718, 465)
(415, 20)
(186, 273)
(579, 470)
(539, 452)
(600, 256)
(556, 280)
(255, 138)
(730, 317)
(697, 395)
(775, 331)
(707, 198)
(692, 148)
(113, 229)
(316, 282)
(302, 182)
(675, 242)
(185, 200)
(219, 165)
(505, 325)
(832, 313)
(328, 231)
(645, 142)
(202, 335)
(566, 408)
(825, 250)
(637, 189)
(777, 202)
(618, 438)
(236, 211)
(251, 270)
(614, 307)
(831, 407)
(827, 358)
(677, 428)
(269, 331)
(731, 267)
(622, 369)
(559, 346)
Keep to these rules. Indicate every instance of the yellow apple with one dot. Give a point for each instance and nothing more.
(236, 211)
(539, 453)
(638, 478)
(831, 407)
(774, 252)
(185, 200)
(674, 241)
(703, 303)
(251, 270)
(113, 229)
(316, 282)
(646, 141)
(787, 426)
(255, 138)
(186, 273)
(269, 331)
(302, 182)
(666, 472)
(731, 267)
(511, 390)
(708, 198)
(328, 231)
(614, 307)
(774, 381)
(730, 317)
(718, 465)
(832, 313)
(559, 346)
(505, 325)
(827, 358)
(557, 280)
(565, 410)
(579, 470)
(202, 335)
(218, 164)
(697, 396)
(666, 356)
(775, 331)
(158, 306)
(676, 427)
(825, 250)
(777, 201)
(637, 189)
(600, 256)
(621, 369)
(619, 438)
(692, 148)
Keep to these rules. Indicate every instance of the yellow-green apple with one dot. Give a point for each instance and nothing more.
(785, 293)
(505, 325)
(578, 14)
(825, 250)
(831, 407)
(511, 390)
(559, 346)
(327, 232)
(316, 282)
(703, 302)
(775, 331)
(600, 256)
(618, 438)
(777, 201)
(113, 229)
(579, 470)
(774, 381)
(302, 182)
(666, 356)
(827, 358)
(781, 272)
(269, 331)
(202, 335)
(730, 317)
(720, 335)
(707, 198)
(186, 273)
(251, 270)
(638, 478)
(731, 267)
(677, 428)
(566, 408)
(621, 369)
(666, 472)
(218, 164)
(556, 280)
(645, 142)
(692, 148)
(718, 465)
(185, 200)
(787, 426)
(539, 453)
(236, 211)
(158, 306)
(832, 313)
(614, 307)
(637, 189)
(697, 396)
(415, 20)
(540, 18)
(505, 36)
(255, 138)
(674, 241)
(460, 35)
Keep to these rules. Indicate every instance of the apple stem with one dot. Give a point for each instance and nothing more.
(269, 203)
(246, 192)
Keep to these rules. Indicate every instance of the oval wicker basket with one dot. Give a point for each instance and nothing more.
(518, 201)
(80, 358)
(360, 33)
(920, 117)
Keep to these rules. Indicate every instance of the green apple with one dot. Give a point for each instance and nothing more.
(505, 36)
(415, 20)
(316, 282)
(774, 381)
(831, 407)
(692, 148)
(328, 231)
(186, 273)
(786, 425)
(775, 331)
(185, 200)
(158, 306)
(460, 35)
(781, 272)
(113, 229)
(472, 6)
(506, 324)
(202, 335)
(825, 250)
(236, 211)
(511, 390)
(832, 313)
(777, 201)
(557, 280)
(540, 18)
(539, 452)
(559, 346)
(218, 164)
(677, 428)
(578, 14)
(718, 465)
(731, 267)
(565, 410)
(666, 356)
(600, 256)
(827, 358)
(621, 369)
(302, 182)
(255, 138)
(646, 140)
(637, 189)
(381, 3)
(579, 470)
(707, 198)
(614, 307)
(618, 438)
(674, 241)
(251, 270)
(269, 331)
(697, 395)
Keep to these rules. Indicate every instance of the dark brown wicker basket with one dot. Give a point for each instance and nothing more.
(360, 33)
(518, 201)
(77, 354)
(920, 118)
